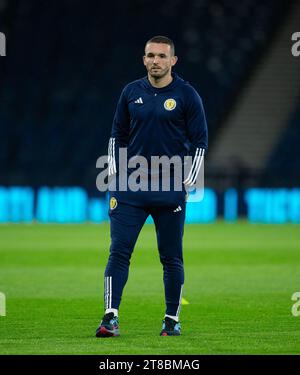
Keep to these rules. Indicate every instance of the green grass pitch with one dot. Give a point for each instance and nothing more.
(239, 279)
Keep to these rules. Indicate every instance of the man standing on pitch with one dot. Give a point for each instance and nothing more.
(158, 115)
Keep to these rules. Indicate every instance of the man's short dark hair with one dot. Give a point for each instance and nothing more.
(163, 39)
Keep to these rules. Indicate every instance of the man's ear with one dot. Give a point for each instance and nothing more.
(174, 60)
(144, 60)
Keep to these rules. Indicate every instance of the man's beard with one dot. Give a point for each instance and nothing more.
(160, 74)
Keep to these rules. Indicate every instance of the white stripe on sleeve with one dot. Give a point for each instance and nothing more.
(111, 157)
(191, 179)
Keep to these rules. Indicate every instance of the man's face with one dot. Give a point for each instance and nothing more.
(158, 59)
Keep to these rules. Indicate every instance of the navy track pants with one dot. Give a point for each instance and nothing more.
(126, 224)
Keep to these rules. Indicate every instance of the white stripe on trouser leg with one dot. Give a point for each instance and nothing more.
(105, 292)
(110, 292)
(179, 306)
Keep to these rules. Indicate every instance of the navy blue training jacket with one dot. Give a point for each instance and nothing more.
(152, 121)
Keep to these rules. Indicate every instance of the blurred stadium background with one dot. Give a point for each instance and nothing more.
(66, 64)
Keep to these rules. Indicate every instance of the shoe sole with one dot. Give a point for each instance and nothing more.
(169, 334)
(103, 332)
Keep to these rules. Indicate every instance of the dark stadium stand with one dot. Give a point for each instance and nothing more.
(68, 60)
(284, 163)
